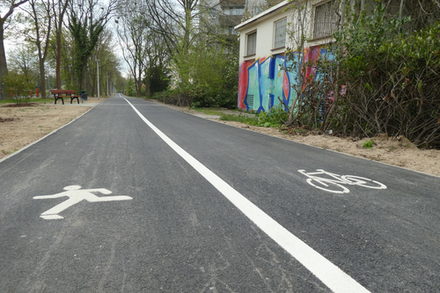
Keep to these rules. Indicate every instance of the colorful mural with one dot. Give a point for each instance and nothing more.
(265, 83)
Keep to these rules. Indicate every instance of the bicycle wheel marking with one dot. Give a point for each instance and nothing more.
(334, 183)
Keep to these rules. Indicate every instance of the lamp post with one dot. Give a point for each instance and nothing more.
(97, 76)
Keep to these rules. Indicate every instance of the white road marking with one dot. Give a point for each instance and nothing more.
(331, 182)
(331, 275)
(75, 195)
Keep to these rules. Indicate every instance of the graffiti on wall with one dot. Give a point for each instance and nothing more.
(268, 82)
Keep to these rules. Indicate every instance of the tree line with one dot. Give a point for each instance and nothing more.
(59, 44)
(176, 51)
(173, 49)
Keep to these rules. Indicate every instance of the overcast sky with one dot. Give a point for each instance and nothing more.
(14, 41)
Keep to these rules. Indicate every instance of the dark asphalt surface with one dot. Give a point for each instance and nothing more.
(179, 234)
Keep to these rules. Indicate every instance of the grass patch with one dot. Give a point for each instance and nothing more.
(31, 100)
(209, 111)
(368, 144)
(274, 118)
(240, 118)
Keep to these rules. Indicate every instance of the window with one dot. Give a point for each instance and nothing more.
(233, 11)
(280, 33)
(251, 44)
(326, 20)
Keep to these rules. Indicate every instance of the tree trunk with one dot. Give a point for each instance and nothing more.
(58, 59)
(3, 64)
(138, 88)
(82, 78)
(138, 82)
(147, 87)
(402, 3)
(42, 79)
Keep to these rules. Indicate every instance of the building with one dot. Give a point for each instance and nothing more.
(266, 76)
(221, 16)
(254, 7)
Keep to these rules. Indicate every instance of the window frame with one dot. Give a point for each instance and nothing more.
(247, 54)
(328, 34)
(274, 40)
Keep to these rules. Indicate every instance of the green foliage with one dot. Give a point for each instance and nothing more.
(240, 118)
(273, 118)
(368, 144)
(23, 61)
(208, 74)
(18, 87)
(158, 78)
(85, 36)
(210, 111)
(392, 77)
(130, 88)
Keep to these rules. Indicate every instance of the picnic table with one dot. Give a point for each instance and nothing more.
(61, 94)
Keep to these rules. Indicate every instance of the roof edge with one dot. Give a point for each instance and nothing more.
(262, 14)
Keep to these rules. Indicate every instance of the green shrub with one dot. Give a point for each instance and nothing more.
(368, 144)
(391, 76)
(18, 87)
(275, 117)
(207, 73)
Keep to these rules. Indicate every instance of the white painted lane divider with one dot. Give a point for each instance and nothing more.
(332, 276)
(75, 194)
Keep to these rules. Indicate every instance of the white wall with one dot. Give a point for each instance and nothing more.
(264, 37)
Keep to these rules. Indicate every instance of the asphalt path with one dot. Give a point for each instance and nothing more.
(208, 208)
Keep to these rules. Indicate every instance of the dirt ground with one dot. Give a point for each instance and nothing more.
(394, 151)
(20, 126)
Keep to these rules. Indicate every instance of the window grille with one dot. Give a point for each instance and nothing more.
(326, 20)
(280, 33)
(250, 101)
(251, 44)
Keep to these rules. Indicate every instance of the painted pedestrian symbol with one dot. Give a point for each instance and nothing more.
(75, 194)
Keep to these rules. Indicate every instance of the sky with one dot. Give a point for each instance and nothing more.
(13, 41)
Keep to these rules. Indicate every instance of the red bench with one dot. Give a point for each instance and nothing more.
(61, 94)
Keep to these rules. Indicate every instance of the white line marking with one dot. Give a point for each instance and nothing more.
(332, 276)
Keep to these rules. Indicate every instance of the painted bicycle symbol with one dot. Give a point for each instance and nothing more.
(335, 183)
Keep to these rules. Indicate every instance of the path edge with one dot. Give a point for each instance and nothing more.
(298, 142)
(45, 136)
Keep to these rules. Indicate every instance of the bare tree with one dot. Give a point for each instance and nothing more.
(24, 61)
(40, 15)
(9, 6)
(59, 8)
(175, 22)
(133, 39)
(107, 65)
